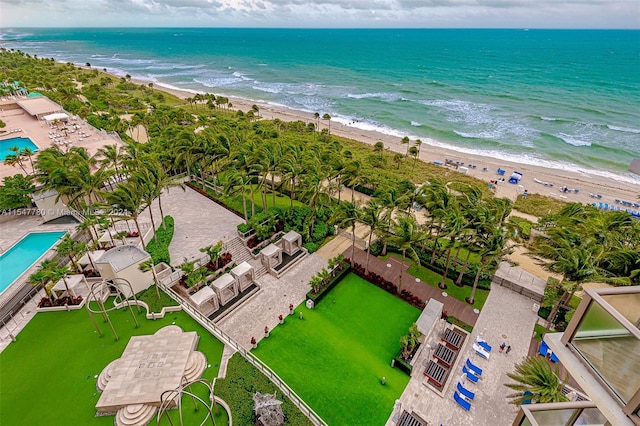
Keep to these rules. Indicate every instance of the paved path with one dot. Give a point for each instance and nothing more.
(199, 222)
(458, 309)
(262, 309)
(506, 317)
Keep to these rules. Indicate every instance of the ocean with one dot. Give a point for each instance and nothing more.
(568, 99)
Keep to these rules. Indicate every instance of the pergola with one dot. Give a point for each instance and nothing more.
(205, 295)
(73, 281)
(226, 287)
(291, 242)
(271, 256)
(243, 273)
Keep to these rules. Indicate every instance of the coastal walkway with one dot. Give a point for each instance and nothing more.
(391, 269)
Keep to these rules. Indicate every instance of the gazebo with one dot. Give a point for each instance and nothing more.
(271, 256)
(291, 242)
(204, 296)
(243, 273)
(73, 282)
(226, 287)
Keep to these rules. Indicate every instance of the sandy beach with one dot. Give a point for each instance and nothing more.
(587, 184)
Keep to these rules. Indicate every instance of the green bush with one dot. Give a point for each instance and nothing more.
(159, 250)
(320, 231)
(243, 228)
(239, 385)
(521, 225)
(311, 247)
(463, 325)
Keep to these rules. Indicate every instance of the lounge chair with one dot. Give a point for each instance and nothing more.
(461, 401)
(465, 392)
(470, 376)
(483, 343)
(480, 351)
(471, 366)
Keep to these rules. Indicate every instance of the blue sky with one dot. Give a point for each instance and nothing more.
(323, 13)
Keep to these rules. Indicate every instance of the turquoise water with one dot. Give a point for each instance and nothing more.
(23, 254)
(20, 142)
(562, 98)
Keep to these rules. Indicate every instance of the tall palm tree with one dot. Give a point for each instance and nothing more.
(372, 215)
(147, 265)
(406, 236)
(536, 381)
(347, 215)
(492, 251)
(70, 248)
(454, 223)
(128, 197)
(405, 141)
(328, 118)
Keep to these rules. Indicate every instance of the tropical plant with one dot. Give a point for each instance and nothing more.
(146, 266)
(536, 381)
(406, 236)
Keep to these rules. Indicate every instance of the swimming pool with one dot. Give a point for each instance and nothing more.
(23, 254)
(20, 142)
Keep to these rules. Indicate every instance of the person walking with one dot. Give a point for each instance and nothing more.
(508, 348)
(502, 346)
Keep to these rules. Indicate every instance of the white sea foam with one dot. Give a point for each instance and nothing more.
(571, 140)
(415, 123)
(389, 97)
(624, 129)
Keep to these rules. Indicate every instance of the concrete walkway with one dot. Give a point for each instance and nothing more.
(506, 317)
(262, 309)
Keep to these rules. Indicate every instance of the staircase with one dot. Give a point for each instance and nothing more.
(240, 253)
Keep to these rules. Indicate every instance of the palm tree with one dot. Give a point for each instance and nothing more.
(129, 198)
(317, 117)
(70, 248)
(405, 141)
(406, 236)
(492, 252)
(379, 148)
(28, 152)
(454, 223)
(42, 278)
(15, 158)
(372, 215)
(536, 381)
(347, 215)
(413, 151)
(147, 265)
(328, 118)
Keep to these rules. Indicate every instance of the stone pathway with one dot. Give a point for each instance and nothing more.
(506, 317)
(262, 309)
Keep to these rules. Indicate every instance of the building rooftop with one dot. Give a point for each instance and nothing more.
(122, 257)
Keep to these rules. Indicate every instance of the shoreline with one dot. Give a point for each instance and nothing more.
(586, 183)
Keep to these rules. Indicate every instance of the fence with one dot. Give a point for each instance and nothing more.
(256, 362)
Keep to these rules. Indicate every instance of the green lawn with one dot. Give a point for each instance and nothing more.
(426, 275)
(48, 374)
(336, 356)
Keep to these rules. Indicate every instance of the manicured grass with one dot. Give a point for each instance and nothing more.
(336, 356)
(48, 374)
(150, 297)
(539, 331)
(158, 247)
(432, 278)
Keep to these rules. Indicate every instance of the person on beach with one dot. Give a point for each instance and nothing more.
(502, 346)
(508, 348)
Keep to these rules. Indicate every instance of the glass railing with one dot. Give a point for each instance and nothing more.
(561, 414)
(610, 344)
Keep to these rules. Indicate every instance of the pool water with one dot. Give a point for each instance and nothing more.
(23, 254)
(20, 142)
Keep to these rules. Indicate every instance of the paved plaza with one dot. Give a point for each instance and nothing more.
(506, 317)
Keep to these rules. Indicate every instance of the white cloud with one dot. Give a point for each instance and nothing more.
(324, 13)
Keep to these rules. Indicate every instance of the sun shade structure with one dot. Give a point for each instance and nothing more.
(226, 287)
(39, 107)
(244, 274)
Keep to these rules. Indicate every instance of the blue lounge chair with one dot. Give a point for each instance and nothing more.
(544, 348)
(470, 376)
(483, 344)
(481, 351)
(471, 366)
(501, 171)
(465, 392)
(461, 401)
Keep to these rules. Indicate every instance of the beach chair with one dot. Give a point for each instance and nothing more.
(465, 392)
(471, 366)
(483, 343)
(469, 375)
(501, 172)
(480, 351)
(461, 401)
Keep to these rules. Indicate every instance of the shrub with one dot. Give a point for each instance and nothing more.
(521, 225)
(159, 250)
(320, 231)
(311, 247)
(243, 228)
